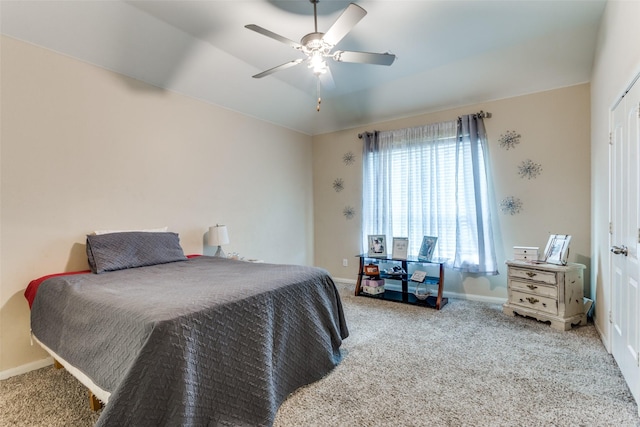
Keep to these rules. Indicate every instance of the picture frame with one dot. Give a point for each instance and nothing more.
(418, 276)
(371, 270)
(377, 246)
(557, 249)
(427, 247)
(400, 248)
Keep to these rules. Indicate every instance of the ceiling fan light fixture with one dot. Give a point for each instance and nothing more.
(317, 63)
(320, 69)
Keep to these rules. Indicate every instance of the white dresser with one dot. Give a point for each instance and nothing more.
(547, 292)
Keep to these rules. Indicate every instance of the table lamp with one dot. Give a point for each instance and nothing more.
(218, 236)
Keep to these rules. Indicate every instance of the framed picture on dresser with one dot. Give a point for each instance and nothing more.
(557, 249)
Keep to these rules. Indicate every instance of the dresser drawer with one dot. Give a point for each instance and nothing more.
(533, 288)
(536, 302)
(525, 257)
(538, 276)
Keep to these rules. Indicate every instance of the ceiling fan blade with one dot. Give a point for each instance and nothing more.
(364, 57)
(265, 32)
(345, 22)
(278, 68)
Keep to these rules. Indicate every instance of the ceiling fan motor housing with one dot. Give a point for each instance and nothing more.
(313, 42)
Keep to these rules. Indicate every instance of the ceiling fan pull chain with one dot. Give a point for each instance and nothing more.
(318, 92)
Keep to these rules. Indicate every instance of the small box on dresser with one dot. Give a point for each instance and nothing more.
(525, 253)
(547, 292)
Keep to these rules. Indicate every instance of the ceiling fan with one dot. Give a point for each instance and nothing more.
(318, 46)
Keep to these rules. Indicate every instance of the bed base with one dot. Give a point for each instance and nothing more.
(94, 402)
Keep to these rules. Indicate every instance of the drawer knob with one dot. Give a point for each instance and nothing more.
(531, 274)
(532, 300)
(532, 287)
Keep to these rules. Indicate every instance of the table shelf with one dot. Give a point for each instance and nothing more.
(398, 289)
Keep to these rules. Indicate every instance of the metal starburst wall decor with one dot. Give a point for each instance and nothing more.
(338, 185)
(509, 139)
(529, 169)
(511, 205)
(348, 212)
(349, 158)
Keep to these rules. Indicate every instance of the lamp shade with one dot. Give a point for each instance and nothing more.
(218, 235)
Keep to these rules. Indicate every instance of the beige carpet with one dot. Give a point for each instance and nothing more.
(466, 365)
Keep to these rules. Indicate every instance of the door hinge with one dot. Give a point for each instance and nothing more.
(610, 138)
(610, 228)
(610, 317)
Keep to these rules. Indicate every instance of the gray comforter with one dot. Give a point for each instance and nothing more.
(202, 342)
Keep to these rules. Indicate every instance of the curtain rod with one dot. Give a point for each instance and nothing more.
(481, 114)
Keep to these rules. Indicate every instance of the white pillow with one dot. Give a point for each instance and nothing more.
(148, 230)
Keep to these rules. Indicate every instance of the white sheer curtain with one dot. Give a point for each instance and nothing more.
(428, 181)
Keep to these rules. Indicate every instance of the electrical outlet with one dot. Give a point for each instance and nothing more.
(345, 262)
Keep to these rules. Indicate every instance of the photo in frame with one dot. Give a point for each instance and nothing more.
(377, 245)
(371, 270)
(400, 248)
(427, 248)
(418, 276)
(557, 249)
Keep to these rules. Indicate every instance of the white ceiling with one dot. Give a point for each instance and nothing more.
(449, 53)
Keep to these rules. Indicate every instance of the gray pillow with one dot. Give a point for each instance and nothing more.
(117, 251)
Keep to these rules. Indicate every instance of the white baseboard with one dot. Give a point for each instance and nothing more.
(23, 369)
(471, 297)
(340, 281)
(474, 297)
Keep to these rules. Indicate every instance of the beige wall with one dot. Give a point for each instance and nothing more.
(84, 148)
(554, 128)
(616, 63)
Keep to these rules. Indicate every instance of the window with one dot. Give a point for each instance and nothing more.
(431, 181)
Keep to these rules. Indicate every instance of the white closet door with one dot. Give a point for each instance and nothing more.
(625, 237)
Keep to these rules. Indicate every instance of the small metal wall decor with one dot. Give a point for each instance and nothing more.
(509, 139)
(511, 205)
(348, 212)
(529, 169)
(349, 158)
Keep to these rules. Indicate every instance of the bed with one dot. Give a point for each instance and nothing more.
(168, 340)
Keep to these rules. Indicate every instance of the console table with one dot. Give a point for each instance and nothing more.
(398, 285)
